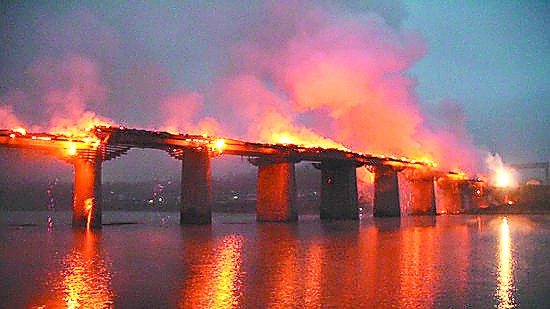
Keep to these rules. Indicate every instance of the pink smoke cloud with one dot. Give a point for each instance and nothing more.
(7, 117)
(60, 97)
(341, 74)
(181, 112)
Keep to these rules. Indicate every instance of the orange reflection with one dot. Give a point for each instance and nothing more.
(220, 285)
(505, 278)
(85, 281)
(314, 260)
(368, 268)
(418, 272)
(461, 263)
(284, 290)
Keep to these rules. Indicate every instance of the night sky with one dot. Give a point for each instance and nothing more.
(455, 81)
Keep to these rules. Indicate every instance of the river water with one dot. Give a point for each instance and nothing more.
(410, 262)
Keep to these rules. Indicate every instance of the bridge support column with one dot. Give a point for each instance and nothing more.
(87, 199)
(338, 191)
(276, 191)
(423, 196)
(386, 192)
(449, 195)
(196, 195)
(473, 195)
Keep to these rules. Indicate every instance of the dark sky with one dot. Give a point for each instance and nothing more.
(453, 80)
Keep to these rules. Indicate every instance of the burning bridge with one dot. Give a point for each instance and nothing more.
(276, 173)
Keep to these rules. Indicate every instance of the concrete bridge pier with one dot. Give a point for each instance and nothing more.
(386, 192)
(449, 195)
(87, 199)
(196, 192)
(423, 196)
(276, 191)
(338, 190)
(473, 194)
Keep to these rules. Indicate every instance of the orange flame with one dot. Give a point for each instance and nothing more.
(218, 145)
(20, 130)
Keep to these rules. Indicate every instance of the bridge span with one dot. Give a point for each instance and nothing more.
(276, 173)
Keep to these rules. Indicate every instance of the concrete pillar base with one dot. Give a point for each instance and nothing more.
(423, 196)
(386, 192)
(338, 191)
(196, 195)
(276, 192)
(449, 195)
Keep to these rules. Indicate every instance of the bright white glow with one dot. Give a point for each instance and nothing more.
(219, 144)
(21, 131)
(501, 175)
(503, 178)
(285, 140)
(72, 148)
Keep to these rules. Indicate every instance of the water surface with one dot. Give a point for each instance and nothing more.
(410, 262)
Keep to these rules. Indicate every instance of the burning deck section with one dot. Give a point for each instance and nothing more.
(276, 173)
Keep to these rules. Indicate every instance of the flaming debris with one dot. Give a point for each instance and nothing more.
(89, 207)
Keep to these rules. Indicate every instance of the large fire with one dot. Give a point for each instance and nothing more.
(336, 81)
(332, 80)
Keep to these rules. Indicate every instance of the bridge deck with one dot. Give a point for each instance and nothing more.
(110, 142)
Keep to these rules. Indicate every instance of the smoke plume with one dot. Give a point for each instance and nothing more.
(310, 73)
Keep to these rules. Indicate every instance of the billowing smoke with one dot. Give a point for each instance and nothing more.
(309, 73)
(295, 72)
(61, 94)
(181, 111)
(8, 118)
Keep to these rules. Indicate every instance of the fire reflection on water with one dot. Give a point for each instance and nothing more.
(418, 275)
(85, 281)
(505, 279)
(222, 289)
(314, 260)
